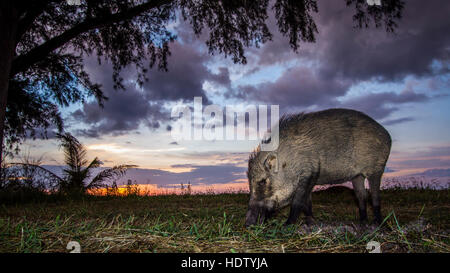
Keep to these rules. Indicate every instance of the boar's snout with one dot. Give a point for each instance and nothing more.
(252, 216)
(256, 214)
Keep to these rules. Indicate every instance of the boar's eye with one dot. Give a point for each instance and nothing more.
(262, 182)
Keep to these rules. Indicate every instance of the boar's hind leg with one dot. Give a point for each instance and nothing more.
(361, 196)
(374, 184)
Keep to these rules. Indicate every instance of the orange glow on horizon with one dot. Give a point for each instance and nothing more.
(152, 189)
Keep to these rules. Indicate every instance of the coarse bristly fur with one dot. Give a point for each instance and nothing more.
(285, 121)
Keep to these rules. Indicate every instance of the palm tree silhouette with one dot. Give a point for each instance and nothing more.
(79, 170)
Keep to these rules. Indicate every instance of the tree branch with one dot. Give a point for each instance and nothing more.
(23, 62)
(35, 9)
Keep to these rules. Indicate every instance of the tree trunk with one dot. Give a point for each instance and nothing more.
(8, 28)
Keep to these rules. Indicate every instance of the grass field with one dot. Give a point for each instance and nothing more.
(416, 221)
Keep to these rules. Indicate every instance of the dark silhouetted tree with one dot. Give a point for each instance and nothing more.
(43, 44)
(77, 175)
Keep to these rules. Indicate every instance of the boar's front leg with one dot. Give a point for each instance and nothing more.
(308, 212)
(301, 203)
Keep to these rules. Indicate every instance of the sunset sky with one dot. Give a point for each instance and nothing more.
(402, 80)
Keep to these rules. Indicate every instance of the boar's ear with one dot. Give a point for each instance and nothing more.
(271, 163)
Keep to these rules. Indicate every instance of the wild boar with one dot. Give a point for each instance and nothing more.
(326, 147)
